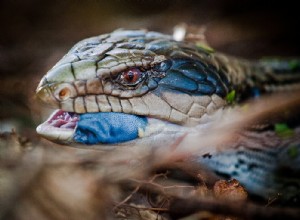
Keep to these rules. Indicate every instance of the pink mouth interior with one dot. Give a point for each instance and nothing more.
(62, 119)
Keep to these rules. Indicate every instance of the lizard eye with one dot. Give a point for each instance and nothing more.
(131, 77)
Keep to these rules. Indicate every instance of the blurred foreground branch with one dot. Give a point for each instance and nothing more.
(42, 180)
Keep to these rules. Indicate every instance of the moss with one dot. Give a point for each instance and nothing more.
(283, 130)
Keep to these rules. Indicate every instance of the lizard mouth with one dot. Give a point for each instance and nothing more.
(105, 128)
(60, 126)
(62, 119)
(92, 128)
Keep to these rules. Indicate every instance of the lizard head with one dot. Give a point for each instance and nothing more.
(129, 76)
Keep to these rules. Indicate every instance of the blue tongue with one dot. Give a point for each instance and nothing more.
(108, 127)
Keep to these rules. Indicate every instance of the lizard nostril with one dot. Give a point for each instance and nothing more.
(63, 91)
(64, 94)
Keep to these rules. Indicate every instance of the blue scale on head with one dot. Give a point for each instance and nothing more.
(176, 79)
(189, 75)
(108, 127)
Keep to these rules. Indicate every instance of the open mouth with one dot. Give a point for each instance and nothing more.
(60, 126)
(62, 119)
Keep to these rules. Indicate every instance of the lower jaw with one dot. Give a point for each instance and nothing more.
(110, 128)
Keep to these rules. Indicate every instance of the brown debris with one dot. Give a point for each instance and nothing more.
(230, 190)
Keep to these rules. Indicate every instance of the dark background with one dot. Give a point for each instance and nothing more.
(35, 34)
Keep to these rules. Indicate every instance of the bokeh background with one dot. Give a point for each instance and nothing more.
(36, 33)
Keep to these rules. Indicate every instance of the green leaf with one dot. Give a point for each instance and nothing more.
(294, 64)
(293, 152)
(230, 97)
(283, 130)
(205, 47)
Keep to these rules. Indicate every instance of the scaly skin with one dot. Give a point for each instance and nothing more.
(175, 82)
(90, 66)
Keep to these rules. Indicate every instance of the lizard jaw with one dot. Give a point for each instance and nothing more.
(92, 128)
(106, 128)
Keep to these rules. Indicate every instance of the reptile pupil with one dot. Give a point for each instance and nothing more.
(132, 75)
